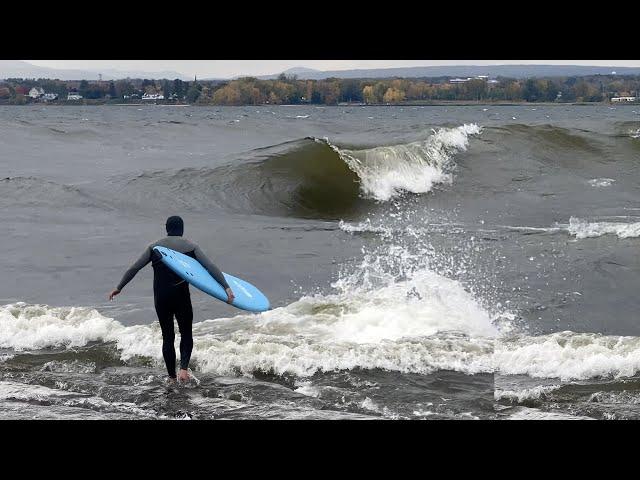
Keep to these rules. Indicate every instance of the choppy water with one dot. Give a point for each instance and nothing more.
(423, 262)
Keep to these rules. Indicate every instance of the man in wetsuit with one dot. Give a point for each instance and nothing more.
(171, 294)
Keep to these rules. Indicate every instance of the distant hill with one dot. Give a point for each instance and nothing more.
(20, 69)
(512, 71)
(301, 72)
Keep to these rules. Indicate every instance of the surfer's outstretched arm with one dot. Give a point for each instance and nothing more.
(135, 268)
(214, 272)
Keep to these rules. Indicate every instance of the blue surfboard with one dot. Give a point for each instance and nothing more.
(247, 296)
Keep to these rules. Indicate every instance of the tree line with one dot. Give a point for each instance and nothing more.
(331, 91)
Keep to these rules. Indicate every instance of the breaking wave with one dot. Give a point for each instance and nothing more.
(309, 178)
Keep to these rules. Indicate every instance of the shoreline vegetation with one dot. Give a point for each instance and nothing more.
(289, 90)
(452, 103)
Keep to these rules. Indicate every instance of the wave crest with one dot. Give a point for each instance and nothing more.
(387, 171)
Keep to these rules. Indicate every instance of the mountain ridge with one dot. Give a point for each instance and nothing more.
(512, 71)
(22, 69)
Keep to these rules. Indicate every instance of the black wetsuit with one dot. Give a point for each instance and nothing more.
(171, 295)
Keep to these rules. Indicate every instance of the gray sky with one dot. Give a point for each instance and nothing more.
(230, 68)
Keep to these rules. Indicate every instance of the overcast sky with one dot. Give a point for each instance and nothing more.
(230, 68)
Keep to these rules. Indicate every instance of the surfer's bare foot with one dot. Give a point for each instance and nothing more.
(184, 376)
(170, 382)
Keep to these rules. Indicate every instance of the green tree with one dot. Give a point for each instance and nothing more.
(179, 88)
(84, 88)
(531, 91)
(166, 88)
(124, 87)
(350, 91)
(193, 93)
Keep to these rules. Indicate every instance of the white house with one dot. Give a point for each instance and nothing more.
(624, 99)
(74, 96)
(36, 92)
(153, 96)
(50, 96)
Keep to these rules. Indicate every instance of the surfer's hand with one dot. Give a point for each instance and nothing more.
(114, 293)
(230, 295)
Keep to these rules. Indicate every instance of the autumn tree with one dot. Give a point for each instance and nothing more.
(379, 90)
(418, 91)
(393, 95)
(309, 87)
(368, 95)
(476, 89)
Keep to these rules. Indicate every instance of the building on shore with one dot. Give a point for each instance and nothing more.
(74, 96)
(459, 80)
(477, 77)
(153, 96)
(624, 99)
(36, 92)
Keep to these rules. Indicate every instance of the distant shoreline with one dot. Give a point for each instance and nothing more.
(442, 103)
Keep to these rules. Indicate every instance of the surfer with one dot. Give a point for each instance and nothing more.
(171, 294)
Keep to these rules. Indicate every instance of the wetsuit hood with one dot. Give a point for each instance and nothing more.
(175, 226)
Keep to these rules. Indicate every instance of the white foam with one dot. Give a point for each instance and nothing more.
(370, 325)
(420, 324)
(534, 229)
(423, 413)
(601, 182)
(584, 229)
(385, 172)
(25, 326)
(370, 405)
(5, 356)
(445, 330)
(308, 390)
(73, 366)
(535, 414)
(364, 226)
(524, 394)
(568, 356)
